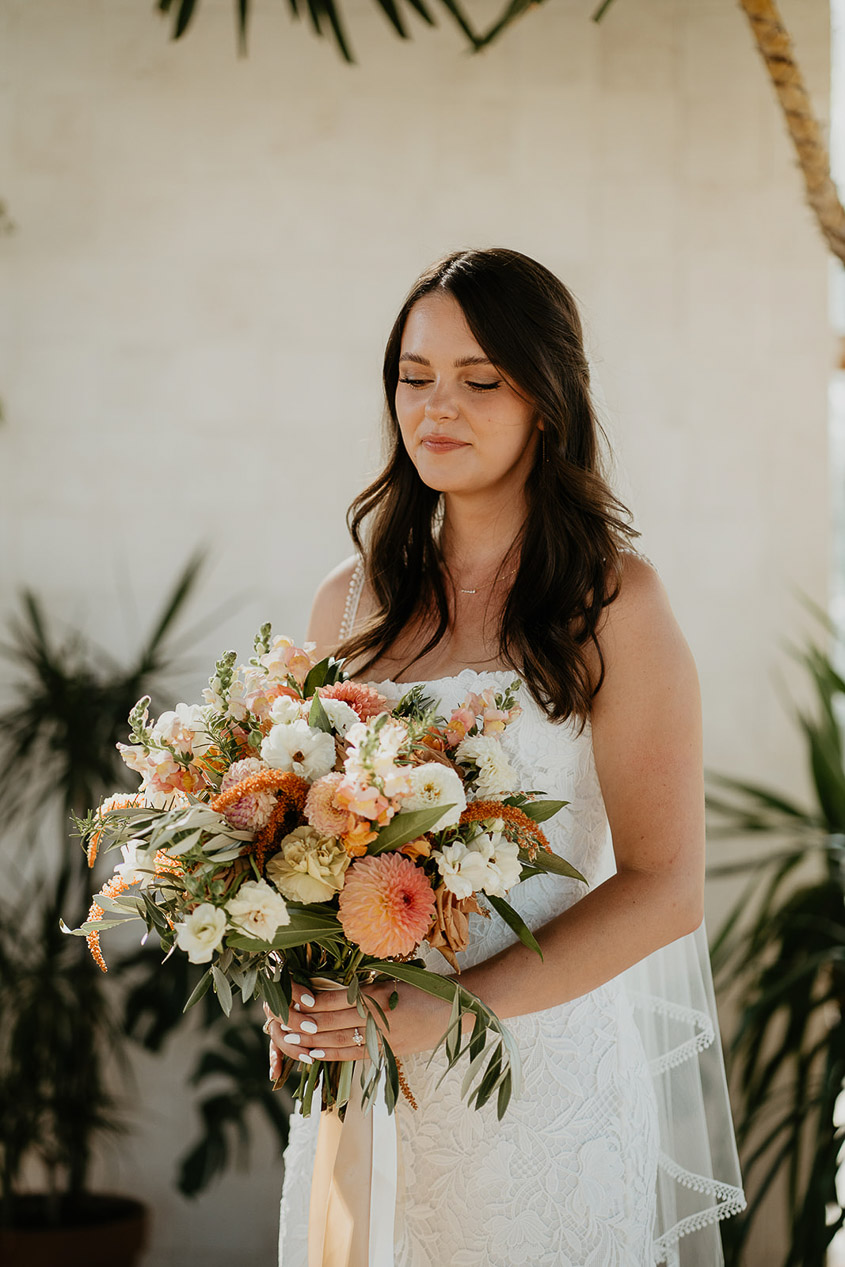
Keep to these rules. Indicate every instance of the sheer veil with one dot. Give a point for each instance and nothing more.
(698, 1182)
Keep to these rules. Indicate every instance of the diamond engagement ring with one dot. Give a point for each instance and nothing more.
(266, 1026)
(356, 1037)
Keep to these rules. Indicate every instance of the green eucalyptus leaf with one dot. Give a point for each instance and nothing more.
(222, 989)
(199, 990)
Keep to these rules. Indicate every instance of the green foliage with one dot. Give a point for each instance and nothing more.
(782, 948)
(57, 1031)
(325, 19)
(57, 739)
(58, 1023)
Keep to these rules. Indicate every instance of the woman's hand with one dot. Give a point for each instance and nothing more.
(321, 1025)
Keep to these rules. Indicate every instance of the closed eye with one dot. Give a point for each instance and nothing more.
(476, 387)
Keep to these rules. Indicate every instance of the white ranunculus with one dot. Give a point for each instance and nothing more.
(464, 871)
(339, 713)
(201, 932)
(309, 867)
(296, 746)
(258, 910)
(496, 775)
(435, 784)
(285, 710)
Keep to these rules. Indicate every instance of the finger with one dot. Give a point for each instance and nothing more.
(305, 1000)
(350, 1041)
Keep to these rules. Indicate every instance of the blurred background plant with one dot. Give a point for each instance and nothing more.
(62, 1024)
(780, 954)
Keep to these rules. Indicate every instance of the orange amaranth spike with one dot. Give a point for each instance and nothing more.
(265, 781)
(291, 789)
(119, 801)
(513, 816)
(115, 885)
(166, 865)
(403, 1083)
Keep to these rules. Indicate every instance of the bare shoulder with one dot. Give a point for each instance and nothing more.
(329, 605)
(643, 646)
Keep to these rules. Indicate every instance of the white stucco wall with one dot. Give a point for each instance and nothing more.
(208, 257)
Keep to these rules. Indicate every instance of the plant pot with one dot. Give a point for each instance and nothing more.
(93, 1230)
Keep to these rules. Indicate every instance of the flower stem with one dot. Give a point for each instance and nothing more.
(357, 956)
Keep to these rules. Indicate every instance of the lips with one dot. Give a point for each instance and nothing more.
(442, 444)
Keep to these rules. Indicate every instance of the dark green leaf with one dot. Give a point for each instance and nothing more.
(515, 922)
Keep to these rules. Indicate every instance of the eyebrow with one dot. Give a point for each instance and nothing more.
(461, 361)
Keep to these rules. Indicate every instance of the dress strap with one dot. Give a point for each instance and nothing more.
(353, 598)
(638, 553)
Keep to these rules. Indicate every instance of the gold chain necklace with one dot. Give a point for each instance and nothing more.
(489, 584)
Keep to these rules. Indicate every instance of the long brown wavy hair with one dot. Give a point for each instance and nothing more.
(567, 553)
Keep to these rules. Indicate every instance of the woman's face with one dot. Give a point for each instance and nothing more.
(464, 425)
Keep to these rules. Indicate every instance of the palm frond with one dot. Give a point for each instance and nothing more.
(326, 19)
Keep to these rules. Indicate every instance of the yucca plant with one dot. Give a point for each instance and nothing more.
(58, 1015)
(782, 952)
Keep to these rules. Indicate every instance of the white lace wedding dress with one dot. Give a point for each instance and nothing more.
(620, 1150)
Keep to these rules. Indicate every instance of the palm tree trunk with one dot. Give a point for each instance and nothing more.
(813, 158)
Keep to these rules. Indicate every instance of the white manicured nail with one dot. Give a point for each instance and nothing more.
(305, 1060)
(309, 1027)
(317, 1054)
(291, 1038)
(308, 999)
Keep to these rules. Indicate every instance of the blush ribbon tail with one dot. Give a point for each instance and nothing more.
(353, 1190)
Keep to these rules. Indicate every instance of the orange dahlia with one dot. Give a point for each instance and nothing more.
(386, 905)
(365, 700)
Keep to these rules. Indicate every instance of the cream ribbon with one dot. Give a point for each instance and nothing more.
(353, 1190)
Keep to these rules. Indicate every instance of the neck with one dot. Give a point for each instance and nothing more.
(478, 532)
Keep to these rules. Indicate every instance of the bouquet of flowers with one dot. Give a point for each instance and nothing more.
(297, 826)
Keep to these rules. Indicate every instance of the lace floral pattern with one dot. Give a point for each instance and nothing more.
(568, 1177)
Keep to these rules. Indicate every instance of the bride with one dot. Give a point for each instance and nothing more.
(489, 548)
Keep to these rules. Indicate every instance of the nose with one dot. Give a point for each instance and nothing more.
(441, 402)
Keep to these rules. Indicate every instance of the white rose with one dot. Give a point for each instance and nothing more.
(257, 910)
(341, 716)
(309, 867)
(295, 746)
(201, 932)
(435, 784)
(496, 775)
(285, 710)
(464, 871)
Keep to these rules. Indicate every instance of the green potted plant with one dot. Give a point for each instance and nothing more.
(781, 951)
(58, 1020)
